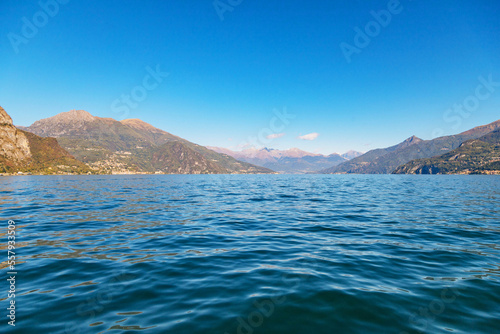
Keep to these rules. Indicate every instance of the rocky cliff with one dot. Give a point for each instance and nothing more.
(14, 145)
(22, 151)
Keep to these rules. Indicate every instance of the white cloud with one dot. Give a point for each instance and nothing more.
(310, 136)
(275, 135)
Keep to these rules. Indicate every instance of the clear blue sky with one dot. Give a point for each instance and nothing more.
(227, 76)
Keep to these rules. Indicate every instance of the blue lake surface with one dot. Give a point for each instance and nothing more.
(253, 254)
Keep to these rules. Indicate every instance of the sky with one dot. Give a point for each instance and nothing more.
(323, 76)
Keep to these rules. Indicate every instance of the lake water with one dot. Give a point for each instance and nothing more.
(253, 254)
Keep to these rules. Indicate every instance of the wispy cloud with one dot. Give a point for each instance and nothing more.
(275, 135)
(310, 136)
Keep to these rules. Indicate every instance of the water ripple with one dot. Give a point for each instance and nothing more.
(255, 254)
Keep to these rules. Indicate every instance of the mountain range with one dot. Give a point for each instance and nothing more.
(474, 156)
(78, 142)
(293, 161)
(387, 160)
(133, 146)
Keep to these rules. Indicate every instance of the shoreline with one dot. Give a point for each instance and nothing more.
(489, 173)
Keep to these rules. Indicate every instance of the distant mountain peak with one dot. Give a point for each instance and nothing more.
(61, 123)
(351, 154)
(75, 115)
(412, 139)
(293, 160)
(407, 142)
(298, 153)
